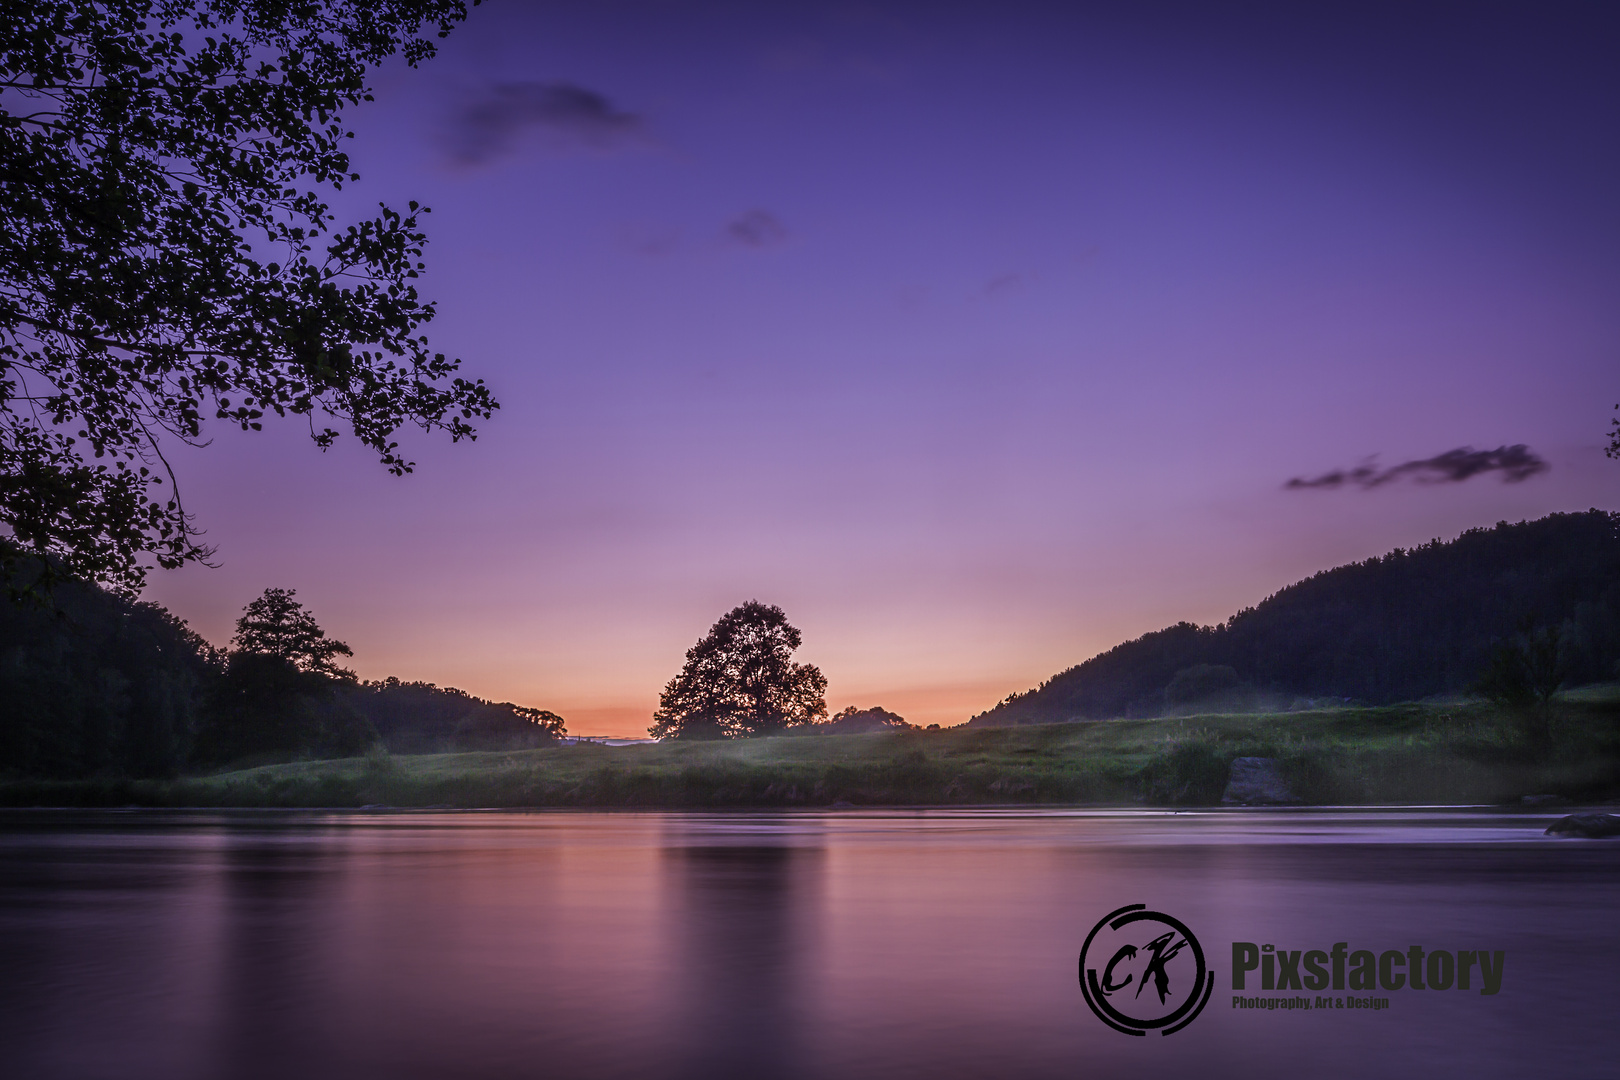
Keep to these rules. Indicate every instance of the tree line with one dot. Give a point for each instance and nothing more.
(92, 683)
(1514, 611)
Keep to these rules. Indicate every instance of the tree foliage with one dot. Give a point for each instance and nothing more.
(740, 679)
(421, 718)
(1399, 627)
(277, 625)
(855, 721)
(99, 685)
(1528, 668)
(167, 258)
(278, 689)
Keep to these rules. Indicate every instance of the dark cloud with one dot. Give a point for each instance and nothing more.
(571, 116)
(757, 229)
(1515, 463)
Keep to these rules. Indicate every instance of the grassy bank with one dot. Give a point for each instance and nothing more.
(1401, 754)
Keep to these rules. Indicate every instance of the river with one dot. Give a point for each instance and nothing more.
(845, 943)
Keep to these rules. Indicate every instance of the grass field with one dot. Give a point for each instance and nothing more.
(1419, 753)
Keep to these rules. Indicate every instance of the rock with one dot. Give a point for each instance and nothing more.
(1543, 800)
(1255, 781)
(1591, 826)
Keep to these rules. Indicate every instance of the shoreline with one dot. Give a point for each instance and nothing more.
(1405, 755)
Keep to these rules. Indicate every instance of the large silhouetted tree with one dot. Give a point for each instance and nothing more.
(276, 625)
(278, 690)
(740, 679)
(167, 257)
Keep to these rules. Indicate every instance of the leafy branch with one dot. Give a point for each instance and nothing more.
(142, 144)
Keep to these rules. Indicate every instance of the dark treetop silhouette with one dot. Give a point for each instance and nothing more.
(162, 167)
(277, 625)
(279, 688)
(856, 721)
(740, 679)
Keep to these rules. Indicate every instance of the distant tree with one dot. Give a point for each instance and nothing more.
(1523, 674)
(1614, 439)
(167, 256)
(278, 690)
(547, 721)
(1528, 669)
(277, 625)
(740, 679)
(855, 721)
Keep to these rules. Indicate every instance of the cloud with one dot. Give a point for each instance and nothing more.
(1516, 463)
(571, 117)
(757, 229)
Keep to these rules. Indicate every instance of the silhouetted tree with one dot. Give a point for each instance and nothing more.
(278, 692)
(740, 679)
(277, 625)
(1527, 669)
(166, 255)
(855, 721)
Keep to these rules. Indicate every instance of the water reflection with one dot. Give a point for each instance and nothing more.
(858, 944)
(744, 945)
(278, 899)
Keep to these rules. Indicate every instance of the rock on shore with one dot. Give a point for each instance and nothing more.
(1592, 826)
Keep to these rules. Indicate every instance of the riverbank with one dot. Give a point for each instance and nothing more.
(1406, 754)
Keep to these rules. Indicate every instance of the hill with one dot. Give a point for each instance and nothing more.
(1404, 626)
(93, 684)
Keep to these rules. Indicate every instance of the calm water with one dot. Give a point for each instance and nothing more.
(843, 944)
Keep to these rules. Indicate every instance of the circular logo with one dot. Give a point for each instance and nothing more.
(1144, 971)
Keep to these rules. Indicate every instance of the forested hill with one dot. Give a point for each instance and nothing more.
(1404, 626)
(93, 684)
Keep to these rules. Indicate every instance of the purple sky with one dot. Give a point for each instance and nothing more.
(978, 339)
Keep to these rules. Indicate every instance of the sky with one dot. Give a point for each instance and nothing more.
(978, 337)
